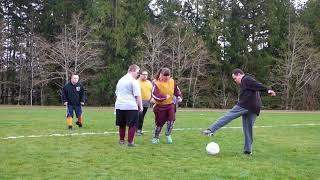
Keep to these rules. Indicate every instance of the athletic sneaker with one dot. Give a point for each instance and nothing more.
(70, 127)
(121, 142)
(139, 132)
(207, 132)
(155, 140)
(169, 139)
(79, 124)
(247, 152)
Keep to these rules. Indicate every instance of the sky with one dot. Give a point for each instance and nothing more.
(297, 2)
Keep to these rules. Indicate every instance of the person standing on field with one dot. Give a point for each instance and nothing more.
(146, 88)
(73, 98)
(163, 90)
(128, 104)
(248, 107)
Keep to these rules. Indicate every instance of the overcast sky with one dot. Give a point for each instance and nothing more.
(297, 2)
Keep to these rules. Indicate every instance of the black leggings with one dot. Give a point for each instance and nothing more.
(141, 117)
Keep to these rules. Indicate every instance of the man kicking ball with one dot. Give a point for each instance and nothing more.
(248, 107)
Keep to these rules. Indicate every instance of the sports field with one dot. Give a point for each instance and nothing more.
(35, 144)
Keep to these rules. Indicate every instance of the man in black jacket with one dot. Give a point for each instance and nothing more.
(248, 107)
(73, 98)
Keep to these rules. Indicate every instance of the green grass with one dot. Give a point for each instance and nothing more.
(281, 152)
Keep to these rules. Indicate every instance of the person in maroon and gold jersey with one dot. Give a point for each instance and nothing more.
(163, 91)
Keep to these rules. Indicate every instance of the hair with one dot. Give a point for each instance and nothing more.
(73, 74)
(133, 68)
(143, 70)
(156, 76)
(237, 71)
(164, 71)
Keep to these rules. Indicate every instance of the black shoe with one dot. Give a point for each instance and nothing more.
(247, 152)
(79, 124)
(207, 132)
(139, 132)
(70, 127)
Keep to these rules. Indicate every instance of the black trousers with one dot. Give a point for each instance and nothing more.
(141, 117)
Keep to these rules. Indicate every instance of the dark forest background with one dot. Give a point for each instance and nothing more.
(201, 41)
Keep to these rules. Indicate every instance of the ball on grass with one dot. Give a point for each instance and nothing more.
(213, 148)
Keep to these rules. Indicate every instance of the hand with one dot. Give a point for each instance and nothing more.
(82, 103)
(152, 100)
(65, 103)
(179, 99)
(168, 96)
(271, 92)
(141, 108)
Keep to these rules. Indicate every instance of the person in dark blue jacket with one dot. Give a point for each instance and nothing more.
(248, 107)
(73, 97)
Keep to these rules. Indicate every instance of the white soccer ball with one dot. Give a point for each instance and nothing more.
(213, 148)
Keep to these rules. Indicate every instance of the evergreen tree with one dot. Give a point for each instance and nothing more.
(119, 24)
(310, 16)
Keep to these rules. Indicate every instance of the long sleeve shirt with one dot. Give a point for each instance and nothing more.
(160, 91)
(249, 94)
(73, 94)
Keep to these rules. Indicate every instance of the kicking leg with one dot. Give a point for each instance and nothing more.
(234, 113)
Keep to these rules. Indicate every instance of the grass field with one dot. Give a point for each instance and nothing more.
(284, 151)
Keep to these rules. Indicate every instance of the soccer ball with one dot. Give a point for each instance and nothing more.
(213, 148)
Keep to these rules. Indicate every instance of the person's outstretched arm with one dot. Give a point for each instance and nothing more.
(252, 84)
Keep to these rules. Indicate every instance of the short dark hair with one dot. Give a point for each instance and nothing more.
(165, 71)
(237, 71)
(73, 74)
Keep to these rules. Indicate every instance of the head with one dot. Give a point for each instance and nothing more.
(74, 79)
(133, 70)
(144, 75)
(237, 75)
(163, 74)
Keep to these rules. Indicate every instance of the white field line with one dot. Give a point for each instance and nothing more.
(176, 129)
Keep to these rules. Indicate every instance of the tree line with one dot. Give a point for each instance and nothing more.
(201, 41)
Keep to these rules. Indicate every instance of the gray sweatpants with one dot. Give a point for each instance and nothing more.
(248, 120)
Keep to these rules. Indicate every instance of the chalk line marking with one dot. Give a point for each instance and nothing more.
(176, 129)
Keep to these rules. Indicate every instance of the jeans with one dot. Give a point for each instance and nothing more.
(248, 120)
